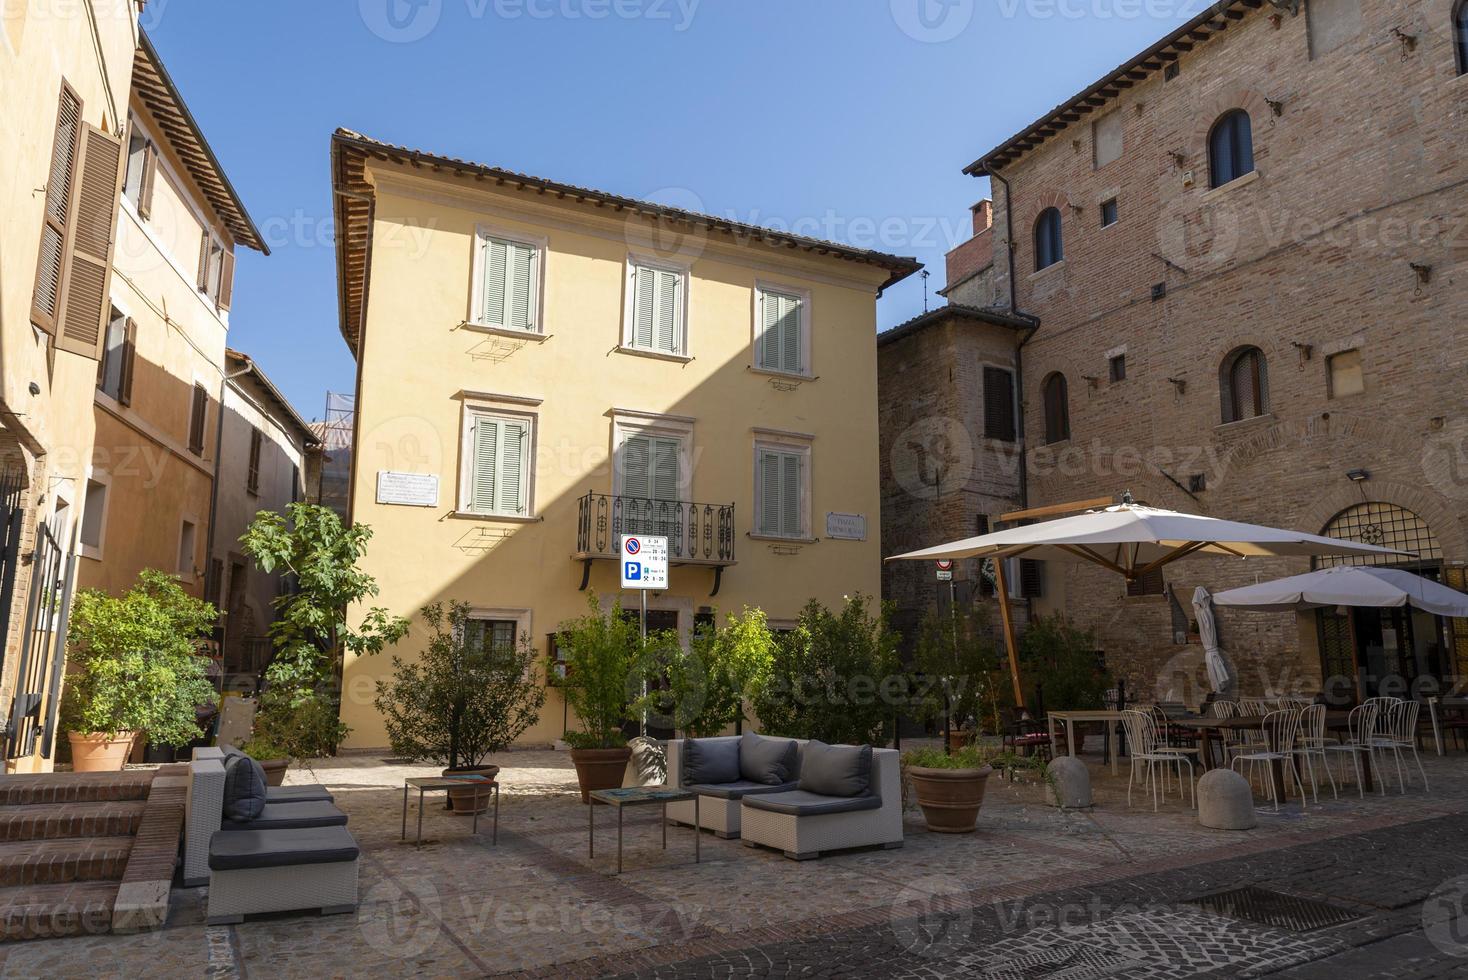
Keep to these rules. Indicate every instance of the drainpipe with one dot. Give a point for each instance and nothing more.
(214, 486)
(1034, 321)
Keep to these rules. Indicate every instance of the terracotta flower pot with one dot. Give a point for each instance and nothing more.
(99, 751)
(274, 770)
(471, 799)
(599, 768)
(950, 798)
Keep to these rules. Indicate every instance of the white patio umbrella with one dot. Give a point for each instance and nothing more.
(1132, 540)
(1208, 633)
(1346, 585)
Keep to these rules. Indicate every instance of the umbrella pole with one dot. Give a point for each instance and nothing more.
(1002, 587)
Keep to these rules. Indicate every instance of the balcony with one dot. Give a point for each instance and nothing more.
(698, 534)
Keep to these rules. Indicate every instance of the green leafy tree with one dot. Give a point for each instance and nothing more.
(958, 657)
(604, 668)
(136, 663)
(835, 677)
(701, 691)
(463, 699)
(1061, 659)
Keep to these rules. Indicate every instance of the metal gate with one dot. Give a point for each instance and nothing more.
(42, 647)
(12, 522)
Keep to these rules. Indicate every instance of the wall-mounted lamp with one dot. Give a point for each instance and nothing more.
(1275, 106)
(1306, 350)
(1357, 476)
(1091, 380)
(1424, 272)
(1178, 157)
(1180, 384)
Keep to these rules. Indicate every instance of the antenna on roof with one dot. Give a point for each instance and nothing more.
(925, 274)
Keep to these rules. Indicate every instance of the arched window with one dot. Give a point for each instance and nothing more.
(1048, 250)
(1460, 35)
(1230, 148)
(1385, 525)
(1244, 384)
(1057, 409)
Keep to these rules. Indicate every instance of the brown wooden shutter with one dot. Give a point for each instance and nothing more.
(226, 280)
(145, 185)
(252, 480)
(999, 404)
(1150, 583)
(197, 418)
(1031, 578)
(84, 309)
(129, 355)
(51, 263)
(203, 281)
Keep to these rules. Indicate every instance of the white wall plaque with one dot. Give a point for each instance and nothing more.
(846, 527)
(408, 489)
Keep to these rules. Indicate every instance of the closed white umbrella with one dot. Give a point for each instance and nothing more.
(1208, 633)
(1347, 585)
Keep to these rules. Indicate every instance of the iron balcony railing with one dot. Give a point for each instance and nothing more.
(695, 532)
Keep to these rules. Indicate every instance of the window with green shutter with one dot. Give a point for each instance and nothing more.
(508, 296)
(657, 310)
(781, 488)
(499, 468)
(781, 344)
(650, 484)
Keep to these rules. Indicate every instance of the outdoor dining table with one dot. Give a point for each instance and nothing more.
(1112, 720)
(1210, 728)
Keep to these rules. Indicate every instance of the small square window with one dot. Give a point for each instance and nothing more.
(1118, 368)
(1108, 212)
(1170, 72)
(186, 536)
(1346, 376)
(1197, 483)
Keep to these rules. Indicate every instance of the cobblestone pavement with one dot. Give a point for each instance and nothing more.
(1373, 887)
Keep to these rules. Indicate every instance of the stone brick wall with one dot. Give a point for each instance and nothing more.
(1360, 176)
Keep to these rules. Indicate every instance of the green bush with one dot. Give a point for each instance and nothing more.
(294, 724)
(603, 674)
(958, 657)
(1062, 659)
(135, 661)
(701, 691)
(462, 699)
(835, 677)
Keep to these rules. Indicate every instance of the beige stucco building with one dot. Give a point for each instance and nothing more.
(541, 366)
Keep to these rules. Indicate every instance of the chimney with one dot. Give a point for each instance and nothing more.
(983, 216)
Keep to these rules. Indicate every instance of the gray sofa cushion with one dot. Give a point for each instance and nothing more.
(244, 787)
(290, 816)
(707, 760)
(836, 770)
(296, 794)
(736, 790)
(771, 761)
(280, 848)
(799, 803)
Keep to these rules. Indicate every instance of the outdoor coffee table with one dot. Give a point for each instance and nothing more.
(434, 784)
(638, 796)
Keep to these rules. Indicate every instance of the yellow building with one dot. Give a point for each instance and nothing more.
(64, 77)
(541, 367)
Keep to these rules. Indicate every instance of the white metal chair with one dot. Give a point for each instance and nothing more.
(1312, 743)
(1147, 750)
(1280, 729)
(1360, 729)
(1398, 733)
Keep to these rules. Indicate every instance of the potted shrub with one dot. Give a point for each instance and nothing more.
(136, 668)
(601, 654)
(464, 699)
(703, 689)
(292, 723)
(273, 759)
(949, 786)
(960, 664)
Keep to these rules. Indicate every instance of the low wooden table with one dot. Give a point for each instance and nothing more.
(435, 784)
(1112, 720)
(1210, 728)
(639, 796)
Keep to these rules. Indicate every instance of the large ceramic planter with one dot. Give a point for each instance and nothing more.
(950, 798)
(99, 751)
(274, 770)
(599, 768)
(472, 798)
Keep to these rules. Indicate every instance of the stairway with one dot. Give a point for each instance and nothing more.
(70, 844)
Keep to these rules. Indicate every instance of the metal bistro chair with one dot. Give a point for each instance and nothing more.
(1281, 729)
(1171, 737)
(1398, 733)
(1146, 750)
(1312, 743)
(1360, 729)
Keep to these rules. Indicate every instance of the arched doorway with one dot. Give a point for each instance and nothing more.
(1399, 652)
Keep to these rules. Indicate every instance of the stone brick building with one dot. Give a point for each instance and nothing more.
(1238, 269)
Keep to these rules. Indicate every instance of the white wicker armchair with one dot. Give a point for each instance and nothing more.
(804, 836)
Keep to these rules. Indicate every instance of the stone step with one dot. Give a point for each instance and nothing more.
(66, 859)
(42, 911)
(21, 789)
(50, 821)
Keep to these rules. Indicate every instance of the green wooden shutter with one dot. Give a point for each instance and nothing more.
(669, 286)
(780, 339)
(496, 262)
(665, 469)
(790, 334)
(514, 437)
(790, 523)
(485, 476)
(637, 467)
(769, 338)
(522, 286)
(769, 480)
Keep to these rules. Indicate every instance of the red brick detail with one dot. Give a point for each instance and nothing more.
(74, 787)
(49, 862)
(44, 911)
(53, 821)
(155, 848)
(970, 257)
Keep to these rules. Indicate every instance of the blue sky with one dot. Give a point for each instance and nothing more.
(847, 119)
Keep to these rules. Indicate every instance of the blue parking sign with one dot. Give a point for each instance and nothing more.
(633, 571)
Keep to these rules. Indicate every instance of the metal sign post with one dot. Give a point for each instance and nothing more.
(945, 574)
(644, 562)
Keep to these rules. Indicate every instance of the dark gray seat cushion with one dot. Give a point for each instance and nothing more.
(296, 794)
(799, 803)
(709, 761)
(244, 787)
(283, 816)
(736, 790)
(280, 848)
(772, 761)
(836, 770)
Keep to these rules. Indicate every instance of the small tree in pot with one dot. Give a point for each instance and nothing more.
(705, 687)
(465, 698)
(949, 787)
(962, 680)
(603, 677)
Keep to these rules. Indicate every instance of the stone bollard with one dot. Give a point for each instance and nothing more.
(1069, 783)
(1225, 801)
